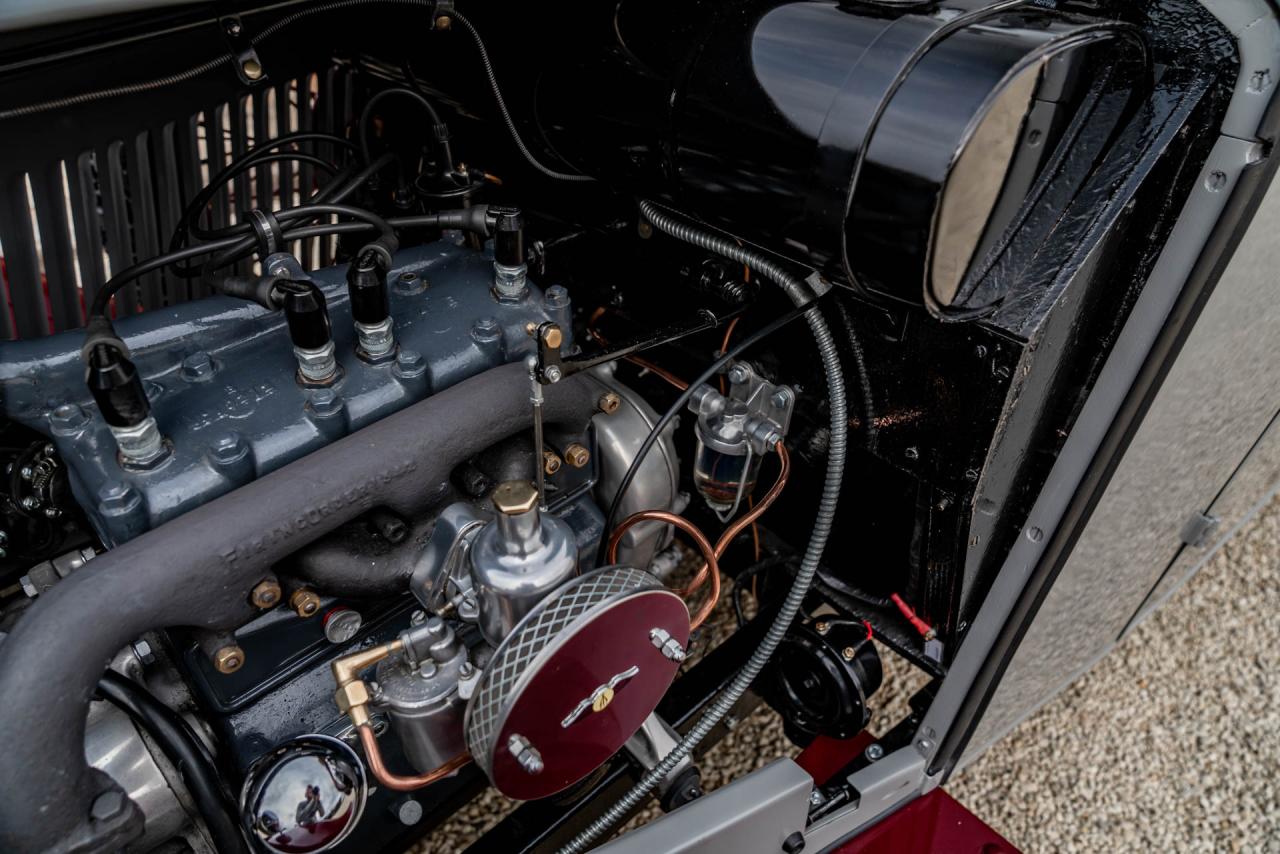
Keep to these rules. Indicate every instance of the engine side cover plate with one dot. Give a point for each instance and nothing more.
(573, 681)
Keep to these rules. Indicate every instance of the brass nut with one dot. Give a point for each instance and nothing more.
(229, 659)
(609, 402)
(304, 602)
(553, 337)
(576, 455)
(444, 22)
(550, 462)
(848, 652)
(822, 627)
(513, 497)
(352, 695)
(266, 594)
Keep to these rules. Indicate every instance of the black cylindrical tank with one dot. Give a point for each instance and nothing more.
(889, 146)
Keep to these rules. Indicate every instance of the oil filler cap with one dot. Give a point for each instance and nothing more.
(574, 680)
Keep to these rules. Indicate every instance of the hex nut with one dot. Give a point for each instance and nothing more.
(576, 455)
(550, 462)
(352, 695)
(609, 402)
(514, 497)
(848, 652)
(266, 594)
(304, 602)
(229, 659)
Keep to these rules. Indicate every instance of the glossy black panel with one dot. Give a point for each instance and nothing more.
(756, 117)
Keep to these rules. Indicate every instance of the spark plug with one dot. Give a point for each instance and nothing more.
(116, 387)
(509, 268)
(308, 319)
(370, 309)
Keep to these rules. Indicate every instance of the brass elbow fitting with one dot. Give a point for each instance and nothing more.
(352, 695)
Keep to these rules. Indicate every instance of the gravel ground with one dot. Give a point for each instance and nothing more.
(1172, 742)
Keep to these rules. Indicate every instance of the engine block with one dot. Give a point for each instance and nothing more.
(221, 377)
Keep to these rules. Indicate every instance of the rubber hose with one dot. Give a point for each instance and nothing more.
(187, 754)
(817, 540)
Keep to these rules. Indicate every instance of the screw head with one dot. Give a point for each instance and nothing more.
(848, 653)
(342, 624)
(25, 473)
(107, 806)
(609, 402)
(409, 812)
(874, 751)
(266, 594)
(444, 22)
(304, 602)
(576, 455)
(229, 659)
(52, 512)
(822, 627)
(252, 69)
(30, 502)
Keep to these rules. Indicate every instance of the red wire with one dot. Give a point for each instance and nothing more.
(907, 611)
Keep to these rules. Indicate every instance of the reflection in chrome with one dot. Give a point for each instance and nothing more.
(304, 796)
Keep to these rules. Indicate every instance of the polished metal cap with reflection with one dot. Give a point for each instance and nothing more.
(305, 795)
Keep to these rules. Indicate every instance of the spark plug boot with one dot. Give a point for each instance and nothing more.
(117, 388)
(509, 268)
(309, 329)
(370, 307)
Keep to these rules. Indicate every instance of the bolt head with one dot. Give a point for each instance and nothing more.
(30, 502)
(229, 659)
(198, 367)
(266, 594)
(410, 363)
(144, 652)
(252, 69)
(822, 627)
(29, 587)
(325, 402)
(739, 374)
(25, 473)
(815, 797)
(228, 448)
(107, 806)
(486, 329)
(444, 22)
(781, 398)
(553, 337)
(68, 418)
(52, 512)
(556, 296)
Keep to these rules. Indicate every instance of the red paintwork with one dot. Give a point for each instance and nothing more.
(609, 643)
(931, 824)
(825, 756)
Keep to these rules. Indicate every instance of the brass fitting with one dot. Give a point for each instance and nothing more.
(576, 455)
(513, 497)
(550, 462)
(352, 695)
(609, 402)
(266, 594)
(252, 69)
(552, 336)
(229, 659)
(304, 602)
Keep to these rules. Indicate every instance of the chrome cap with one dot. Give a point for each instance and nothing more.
(304, 796)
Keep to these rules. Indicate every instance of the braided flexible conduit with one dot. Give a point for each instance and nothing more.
(794, 289)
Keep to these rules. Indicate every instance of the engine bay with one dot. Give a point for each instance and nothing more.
(389, 406)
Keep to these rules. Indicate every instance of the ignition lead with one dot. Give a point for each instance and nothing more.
(117, 388)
